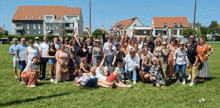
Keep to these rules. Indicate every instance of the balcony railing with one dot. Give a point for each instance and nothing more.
(60, 21)
(52, 28)
(18, 27)
(69, 28)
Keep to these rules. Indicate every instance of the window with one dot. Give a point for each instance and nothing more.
(49, 17)
(39, 32)
(34, 26)
(180, 32)
(164, 32)
(28, 26)
(28, 32)
(135, 25)
(175, 24)
(18, 25)
(181, 25)
(38, 26)
(34, 32)
(165, 24)
(158, 31)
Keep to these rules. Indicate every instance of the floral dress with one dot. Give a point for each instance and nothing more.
(157, 75)
(170, 72)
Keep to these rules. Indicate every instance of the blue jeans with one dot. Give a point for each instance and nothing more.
(183, 68)
(44, 63)
(22, 65)
(134, 77)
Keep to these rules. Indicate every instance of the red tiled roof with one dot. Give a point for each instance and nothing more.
(125, 23)
(23, 11)
(1, 29)
(159, 21)
(219, 25)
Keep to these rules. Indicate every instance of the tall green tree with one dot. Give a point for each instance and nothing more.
(203, 30)
(213, 28)
(186, 32)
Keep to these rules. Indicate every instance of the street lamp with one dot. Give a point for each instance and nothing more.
(194, 19)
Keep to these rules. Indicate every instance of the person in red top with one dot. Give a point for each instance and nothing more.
(202, 50)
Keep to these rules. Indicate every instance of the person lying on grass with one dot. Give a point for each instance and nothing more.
(85, 80)
(97, 72)
(145, 67)
(29, 75)
(156, 73)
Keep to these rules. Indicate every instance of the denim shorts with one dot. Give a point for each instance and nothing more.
(22, 65)
(121, 78)
(52, 61)
(93, 82)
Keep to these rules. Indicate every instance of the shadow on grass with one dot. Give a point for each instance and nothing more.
(88, 88)
(32, 99)
(40, 84)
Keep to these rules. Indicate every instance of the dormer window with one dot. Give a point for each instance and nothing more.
(175, 24)
(26, 17)
(39, 17)
(165, 24)
(33, 17)
(181, 25)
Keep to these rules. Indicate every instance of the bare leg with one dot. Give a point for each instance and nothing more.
(158, 85)
(189, 70)
(103, 85)
(147, 76)
(15, 70)
(142, 75)
(51, 70)
(20, 74)
(54, 69)
(103, 81)
(118, 85)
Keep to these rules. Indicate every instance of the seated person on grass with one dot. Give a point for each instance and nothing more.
(145, 67)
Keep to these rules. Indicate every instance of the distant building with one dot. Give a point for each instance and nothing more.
(175, 25)
(129, 24)
(2, 30)
(47, 20)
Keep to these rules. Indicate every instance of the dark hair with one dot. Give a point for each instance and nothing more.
(72, 41)
(34, 58)
(53, 46)
(31, 40)
(160, 33)
(173, 39)
(189, 43)
(84, 44)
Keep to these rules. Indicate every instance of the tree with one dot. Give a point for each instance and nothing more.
(198, 32)
(197, 25)
(97, 32)
(213, 28)
(203, 30)
(6, 32)
(187, 32)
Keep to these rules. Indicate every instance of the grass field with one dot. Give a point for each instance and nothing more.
(46, 94)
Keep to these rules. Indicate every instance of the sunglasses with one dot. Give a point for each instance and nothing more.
(182, 44)
(164, 44)
(31, 42)
(145, 45)
(189, 45)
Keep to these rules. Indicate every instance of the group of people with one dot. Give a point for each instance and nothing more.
(111, 61)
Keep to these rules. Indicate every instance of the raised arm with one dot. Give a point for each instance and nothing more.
(26, 55)
(103, 61)
(133, 32)
(167, 31)
(151, 30)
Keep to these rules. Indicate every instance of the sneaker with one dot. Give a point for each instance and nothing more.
(177, 82)
(191, 84)
(127, 80)
(121, 83)
(184, 82)
(22, 82)
(56, 82)
(32, 86)
(129, 86)
(134, 82)
(189, 77)
(51, 80)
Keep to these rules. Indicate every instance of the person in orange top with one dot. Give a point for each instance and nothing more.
(202, 50)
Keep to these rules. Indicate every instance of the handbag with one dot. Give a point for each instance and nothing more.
(64, 70)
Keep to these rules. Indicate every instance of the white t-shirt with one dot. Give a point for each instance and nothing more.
(180, 57)
(37, 45)
(33, 66)
(131, 63)
(43, 47)
(32, 53)
(142, 56)
(98, 75)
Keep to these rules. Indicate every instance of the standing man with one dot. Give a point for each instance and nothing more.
(12, 52)
(56, 42)
(140, 44)
(89, 47)
(43, 50)
(37, 44)
(104, 38)
(110, 41)
(20, 50)
(150, 44)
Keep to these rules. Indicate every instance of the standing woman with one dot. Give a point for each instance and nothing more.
(170, 72)
(131, 45)
(180, 62)
(96, 53)
(72, 57)
(51, 51)
(62, 58)
(83, 52)
(164, 57)
(202, 49)
(31, 51)
(158, 46)
(110, 59)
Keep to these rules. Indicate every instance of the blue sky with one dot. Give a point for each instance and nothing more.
(108, 12)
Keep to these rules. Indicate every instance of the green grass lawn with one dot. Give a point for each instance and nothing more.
(46, 94)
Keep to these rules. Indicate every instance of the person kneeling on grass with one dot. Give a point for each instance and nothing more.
(97, 72)
(29, 75)
(85, 80)
(145, 67)
(156, 73)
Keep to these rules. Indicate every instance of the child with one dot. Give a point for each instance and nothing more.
(145, 67)
(120, 71)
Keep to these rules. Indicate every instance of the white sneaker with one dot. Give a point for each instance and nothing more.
(191, 84)
(189, 77)
(184, 82)
(51, 80)
(121, 83)
(22, 82)
(134, 82)
(127, 80)
(178, 81)
(32, 86)
(56, 82)
(129, 86)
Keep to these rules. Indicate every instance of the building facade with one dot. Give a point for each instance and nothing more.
(47, 20)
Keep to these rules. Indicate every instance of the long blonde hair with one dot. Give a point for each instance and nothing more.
(158, 40)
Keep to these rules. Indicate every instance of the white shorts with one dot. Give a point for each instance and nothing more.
(187, 61)
(15, 62)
